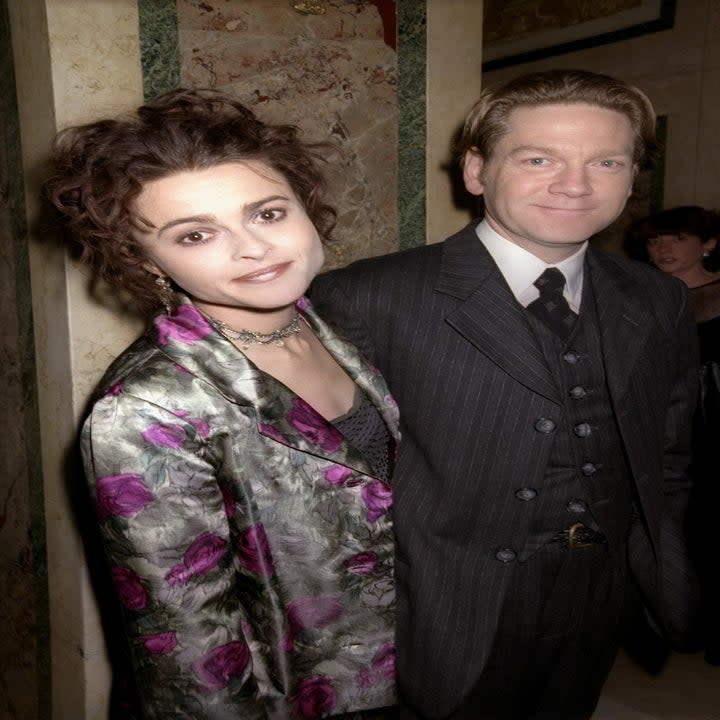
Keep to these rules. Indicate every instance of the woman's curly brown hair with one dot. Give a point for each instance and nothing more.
(99, 169)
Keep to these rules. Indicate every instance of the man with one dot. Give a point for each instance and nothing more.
(545, 413)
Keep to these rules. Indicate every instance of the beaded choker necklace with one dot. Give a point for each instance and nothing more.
(250, 337)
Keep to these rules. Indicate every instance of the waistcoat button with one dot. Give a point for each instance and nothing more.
(578, 392)
(588, 469)
(582, 430)
(506, 555)
(576, 506)
(526, 494)
(544, 425)
(570, 357)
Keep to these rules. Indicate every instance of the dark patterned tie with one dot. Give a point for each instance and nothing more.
(552, 307)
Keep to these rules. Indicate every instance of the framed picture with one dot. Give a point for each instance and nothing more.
(517, 31)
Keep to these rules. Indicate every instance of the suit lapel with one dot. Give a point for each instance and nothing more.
(196, 347)
(624, 323)
(489, 316)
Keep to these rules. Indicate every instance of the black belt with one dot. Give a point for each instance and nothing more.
(578, 536)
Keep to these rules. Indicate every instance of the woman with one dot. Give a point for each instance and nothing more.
(682, 241)
(239, 452)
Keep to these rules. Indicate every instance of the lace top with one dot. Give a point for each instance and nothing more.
(363, 426)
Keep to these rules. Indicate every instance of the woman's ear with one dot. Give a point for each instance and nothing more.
(710, 244)
(153, 269)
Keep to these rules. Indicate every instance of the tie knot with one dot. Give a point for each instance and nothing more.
(550, 282)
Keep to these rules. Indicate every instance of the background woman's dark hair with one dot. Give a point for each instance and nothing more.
(690, 219)
(99, 169)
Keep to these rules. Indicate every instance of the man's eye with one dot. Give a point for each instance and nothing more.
(537, 161)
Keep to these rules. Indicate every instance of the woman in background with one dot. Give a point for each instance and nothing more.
(683, 241)
(239, 452)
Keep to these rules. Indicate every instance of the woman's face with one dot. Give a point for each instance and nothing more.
(678, 253)
(233, 236)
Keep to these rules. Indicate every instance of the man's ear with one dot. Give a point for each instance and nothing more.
(472, 172)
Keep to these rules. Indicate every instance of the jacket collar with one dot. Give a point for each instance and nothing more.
(195, 346)
(490, 317)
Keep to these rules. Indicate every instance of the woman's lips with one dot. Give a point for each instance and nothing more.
(265, 274)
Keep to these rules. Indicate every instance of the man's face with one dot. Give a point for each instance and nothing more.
(559, 175)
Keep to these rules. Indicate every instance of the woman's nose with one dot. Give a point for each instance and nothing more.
(248, 244)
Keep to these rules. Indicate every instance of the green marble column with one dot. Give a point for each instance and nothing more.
(412, 55)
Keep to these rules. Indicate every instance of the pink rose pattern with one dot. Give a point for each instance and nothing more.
(378, 499)
(202, 556)
(223, 663)
(382, 667)
(129, 587)
(312, 612)
(122, 495)
(186, 326)
(271, 432)
(160, 643)
(337, 474)
(313, 427)
(165, 435)
(194, 640)
(363, 563)
(254, 551)
(313, 698)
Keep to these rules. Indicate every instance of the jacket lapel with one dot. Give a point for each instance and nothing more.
(189, 340)
(489, 316)
(624, 323)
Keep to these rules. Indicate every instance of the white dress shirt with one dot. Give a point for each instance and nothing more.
(521, 268)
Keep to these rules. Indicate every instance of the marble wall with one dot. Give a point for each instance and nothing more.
(24, 666)
(332, 73)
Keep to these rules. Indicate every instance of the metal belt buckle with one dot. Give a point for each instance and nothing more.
(573, 542)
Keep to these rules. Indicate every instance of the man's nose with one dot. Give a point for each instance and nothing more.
(572, 180)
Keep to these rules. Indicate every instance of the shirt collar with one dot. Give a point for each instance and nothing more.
(521, 268)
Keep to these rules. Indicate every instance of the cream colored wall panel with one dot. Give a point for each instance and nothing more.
(454, 60)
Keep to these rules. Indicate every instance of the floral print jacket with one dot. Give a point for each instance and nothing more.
(249, 542)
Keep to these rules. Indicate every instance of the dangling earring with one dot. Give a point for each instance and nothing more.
(166, 292)
(706, 253)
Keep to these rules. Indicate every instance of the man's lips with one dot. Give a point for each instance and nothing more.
(264, 274)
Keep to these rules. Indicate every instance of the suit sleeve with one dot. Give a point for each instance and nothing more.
(678, 576)
(166, 537)
(674, 603)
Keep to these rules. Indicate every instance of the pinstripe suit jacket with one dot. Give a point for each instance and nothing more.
(461, 358)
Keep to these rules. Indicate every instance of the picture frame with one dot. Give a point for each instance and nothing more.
(518, 31)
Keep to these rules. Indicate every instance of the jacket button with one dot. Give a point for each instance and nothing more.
(526, 494)
(578, 392)
(570, 357)
(544, 425)
(582, 430)
(576, 506)
(588, 469)
(506, 555)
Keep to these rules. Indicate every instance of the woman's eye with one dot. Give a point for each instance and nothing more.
(269, 215)
(194, 237)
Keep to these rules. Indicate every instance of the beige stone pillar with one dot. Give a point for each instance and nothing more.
(75, 60)
(454, 70)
